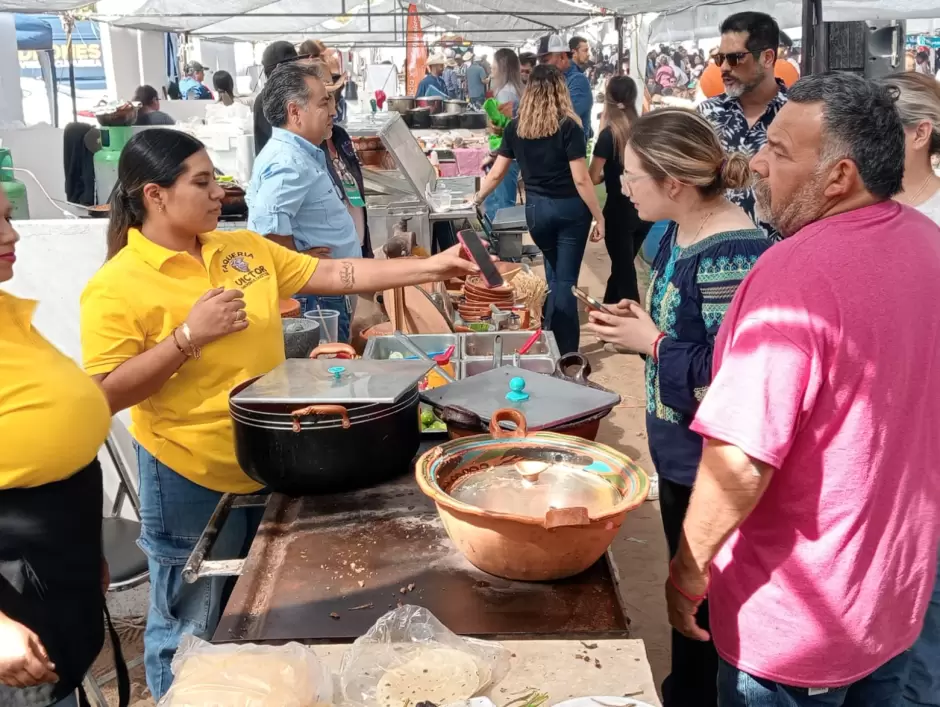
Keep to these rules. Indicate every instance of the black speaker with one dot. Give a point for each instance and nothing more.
(871, 49)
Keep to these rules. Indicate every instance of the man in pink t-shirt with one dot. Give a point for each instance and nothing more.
(815, 510)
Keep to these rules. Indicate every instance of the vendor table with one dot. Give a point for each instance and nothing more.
(325, 568)
(558, 668)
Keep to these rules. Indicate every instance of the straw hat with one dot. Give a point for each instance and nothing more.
(436, 60)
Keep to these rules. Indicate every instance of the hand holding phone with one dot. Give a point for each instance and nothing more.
(478, 253)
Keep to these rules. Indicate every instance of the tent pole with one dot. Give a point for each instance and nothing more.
(618, 25)
(69, 26)
(55, 90)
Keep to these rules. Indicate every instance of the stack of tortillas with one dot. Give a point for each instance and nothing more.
(440, 676)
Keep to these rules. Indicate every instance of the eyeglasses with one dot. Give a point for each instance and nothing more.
(734, 58)
(627, 180)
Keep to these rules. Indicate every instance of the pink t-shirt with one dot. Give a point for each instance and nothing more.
(827, 367)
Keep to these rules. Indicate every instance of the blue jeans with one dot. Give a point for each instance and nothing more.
(560, 229)
(173, 513)
(921, 676)
(504, 196)
(337, 303)
(923, 680)
(880, 689)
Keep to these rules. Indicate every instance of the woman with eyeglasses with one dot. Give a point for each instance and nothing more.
(625, 229)
(548, 142)
(676, 170)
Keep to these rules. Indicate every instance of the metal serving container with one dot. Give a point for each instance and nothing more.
(382, 347)
(481, 345)
(473, 367)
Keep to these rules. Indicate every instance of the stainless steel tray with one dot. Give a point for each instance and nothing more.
(476, 366)
(379, 348)
(480, 345)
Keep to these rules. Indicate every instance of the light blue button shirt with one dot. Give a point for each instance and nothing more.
(292, 194)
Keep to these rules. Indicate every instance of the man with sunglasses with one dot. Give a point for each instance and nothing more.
(752, 97)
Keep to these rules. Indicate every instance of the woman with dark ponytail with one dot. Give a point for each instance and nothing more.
(179, 315)
(675, 170)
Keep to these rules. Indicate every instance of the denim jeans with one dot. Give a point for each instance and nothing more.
(338, 303)
(504, 196)
(921, 676)
(880, 689)
(923, 680)
(560, 229)
(173, 513)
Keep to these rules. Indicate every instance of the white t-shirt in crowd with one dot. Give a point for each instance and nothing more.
(931, 208)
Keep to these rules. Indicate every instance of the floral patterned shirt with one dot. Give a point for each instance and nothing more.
(727, 117)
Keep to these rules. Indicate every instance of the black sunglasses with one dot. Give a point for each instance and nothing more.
(735, 58)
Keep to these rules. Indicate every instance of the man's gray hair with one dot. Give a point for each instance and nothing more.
(861, 123)
(288, 84)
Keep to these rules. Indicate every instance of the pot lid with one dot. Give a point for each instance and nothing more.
(546, 401)
(314, 381)
(537, 489)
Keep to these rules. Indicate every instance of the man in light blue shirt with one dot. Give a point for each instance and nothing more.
(292, 198)
(476, 83)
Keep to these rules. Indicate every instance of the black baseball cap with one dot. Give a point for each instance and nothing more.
(277, 53)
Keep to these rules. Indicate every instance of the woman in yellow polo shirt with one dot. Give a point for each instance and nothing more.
(53, 419)
(179, 315)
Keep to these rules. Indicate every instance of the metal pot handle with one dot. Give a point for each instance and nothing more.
(566, 517)
(508, 415)
(581, 364)
(320, 410)
(339, 350)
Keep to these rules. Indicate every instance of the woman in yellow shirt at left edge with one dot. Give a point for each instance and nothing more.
(179, 315)
(53, 420)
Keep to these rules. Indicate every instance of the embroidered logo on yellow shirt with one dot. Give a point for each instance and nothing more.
(239, 261)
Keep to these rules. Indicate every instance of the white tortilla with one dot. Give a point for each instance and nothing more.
(440, 676)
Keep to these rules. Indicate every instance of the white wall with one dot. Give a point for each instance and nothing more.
(215, 56)
(151, 59)
(121, 62)
(11, 96)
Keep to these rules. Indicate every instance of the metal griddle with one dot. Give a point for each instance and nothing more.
(304, 381)
(311, 553)
(552, 401)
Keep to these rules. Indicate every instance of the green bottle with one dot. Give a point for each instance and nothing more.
(13, 187)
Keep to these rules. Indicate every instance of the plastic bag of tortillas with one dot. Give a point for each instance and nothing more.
(247, 675)
(409, 656)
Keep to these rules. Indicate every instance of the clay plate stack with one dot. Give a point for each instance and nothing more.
(477, 298)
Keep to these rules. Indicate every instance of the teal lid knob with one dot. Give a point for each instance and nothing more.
(517, 392)
(337, 371)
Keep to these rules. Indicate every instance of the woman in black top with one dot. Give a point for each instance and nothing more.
(627, 230)
(548, 142)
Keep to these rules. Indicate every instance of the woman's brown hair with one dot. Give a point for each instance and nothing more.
(620, 104)
(312, 48)
(678, 143)
(545, 103)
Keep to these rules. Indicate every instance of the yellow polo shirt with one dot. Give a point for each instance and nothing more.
(53, 417)
(136, 300)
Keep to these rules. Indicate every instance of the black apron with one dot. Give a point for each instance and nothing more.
(50, 580)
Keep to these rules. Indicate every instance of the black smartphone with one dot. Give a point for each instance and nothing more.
(588, 300)
(478, 253)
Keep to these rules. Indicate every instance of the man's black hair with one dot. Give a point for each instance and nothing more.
(575, 42)
(528, 59)
(763, 32)
(146, 95)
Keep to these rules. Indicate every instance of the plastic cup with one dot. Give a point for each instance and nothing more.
(328, 319)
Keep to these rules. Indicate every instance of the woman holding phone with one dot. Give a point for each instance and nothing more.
(675, 169)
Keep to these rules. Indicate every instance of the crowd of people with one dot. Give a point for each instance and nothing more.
(789, 338)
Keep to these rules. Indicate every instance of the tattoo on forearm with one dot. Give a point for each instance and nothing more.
(347, 275)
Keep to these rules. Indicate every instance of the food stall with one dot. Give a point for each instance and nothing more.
(497, 537)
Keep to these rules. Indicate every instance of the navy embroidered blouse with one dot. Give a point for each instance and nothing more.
(690, 291)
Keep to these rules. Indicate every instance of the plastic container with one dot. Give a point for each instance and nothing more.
(329, 324)
(14, 189)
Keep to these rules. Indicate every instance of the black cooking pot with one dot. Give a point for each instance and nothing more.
(420, 118)
(473, 120)
(445, 121)
(323, 449)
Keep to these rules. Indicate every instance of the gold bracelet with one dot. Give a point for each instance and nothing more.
(194, 350)
(177, 342)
